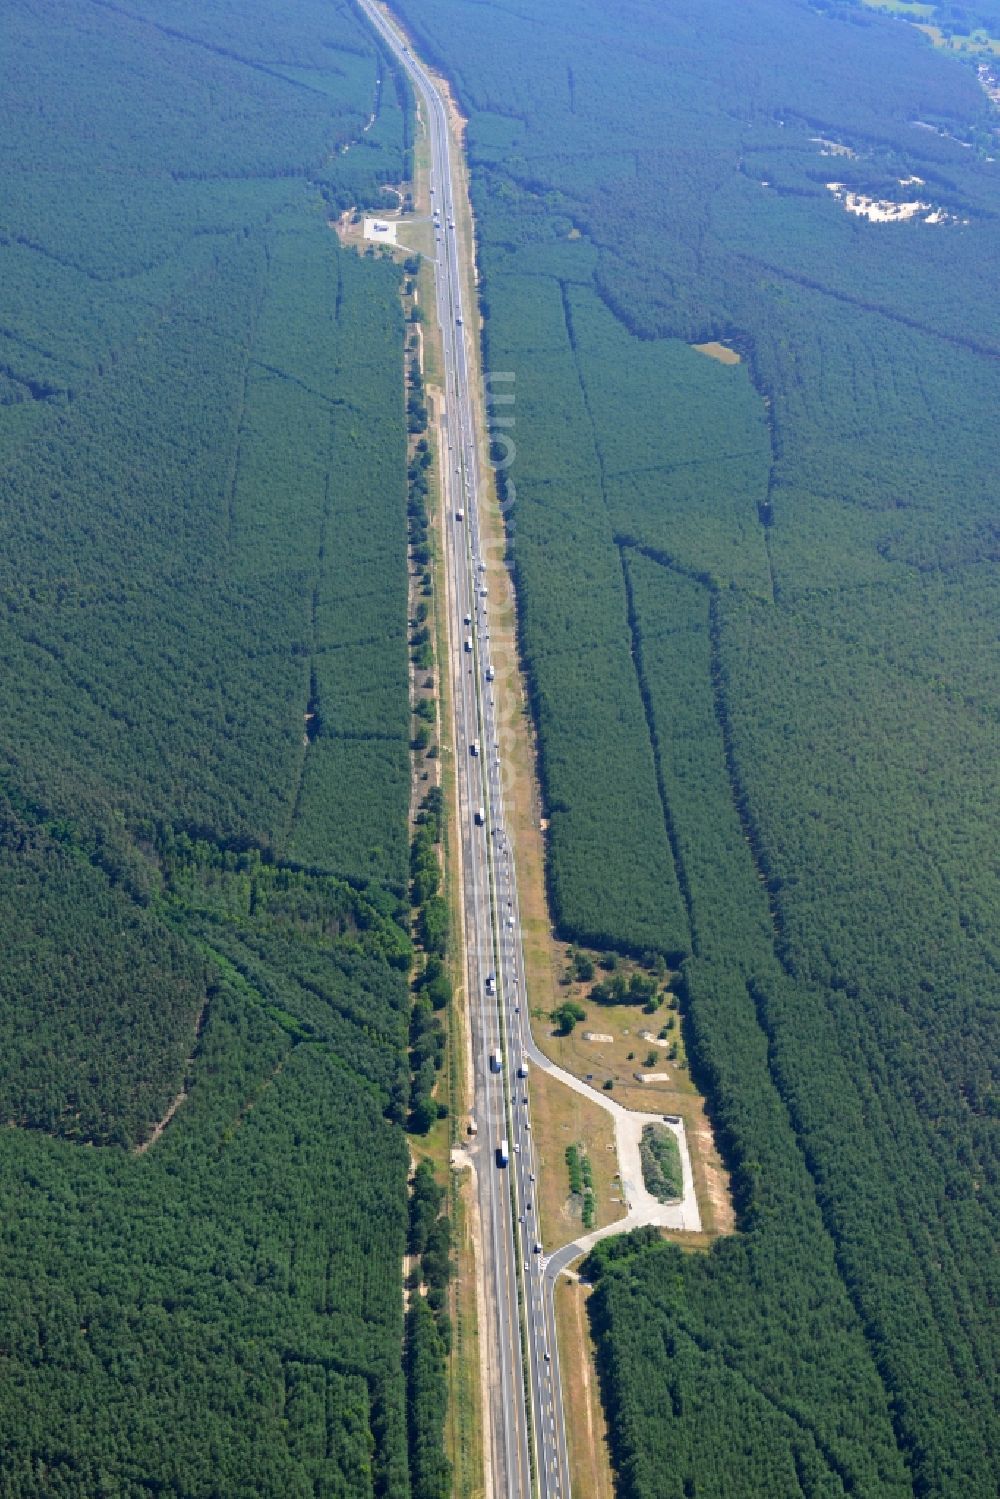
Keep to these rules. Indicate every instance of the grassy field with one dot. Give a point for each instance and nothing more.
(908, 8)
(617, 1041)
(975, 43)
(560, 1117)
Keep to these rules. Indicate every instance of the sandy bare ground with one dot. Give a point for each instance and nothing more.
(178, 1098)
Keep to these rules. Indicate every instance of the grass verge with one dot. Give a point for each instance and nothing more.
(586, 1429)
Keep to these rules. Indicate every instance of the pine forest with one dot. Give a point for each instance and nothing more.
(758, 600)
(204, 756)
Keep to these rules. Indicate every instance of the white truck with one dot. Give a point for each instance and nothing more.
(503, 1154)
(496, 1061)
(480, 817)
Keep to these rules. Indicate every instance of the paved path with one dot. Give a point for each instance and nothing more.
(642, 1206)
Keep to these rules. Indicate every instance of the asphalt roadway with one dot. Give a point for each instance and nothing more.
(525, 1435)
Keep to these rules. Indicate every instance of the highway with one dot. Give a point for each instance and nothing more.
(525, 1429)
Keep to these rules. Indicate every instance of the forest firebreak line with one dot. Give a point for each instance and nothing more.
(635, 653)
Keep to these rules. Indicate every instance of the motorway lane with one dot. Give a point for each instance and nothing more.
(511, 1464)
(522, 1418)
(505, 1196)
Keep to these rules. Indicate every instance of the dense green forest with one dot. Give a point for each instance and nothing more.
(758, 619)
(204, 757)
(428, 1335)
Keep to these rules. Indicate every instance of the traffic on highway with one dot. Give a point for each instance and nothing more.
(526, 1428)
